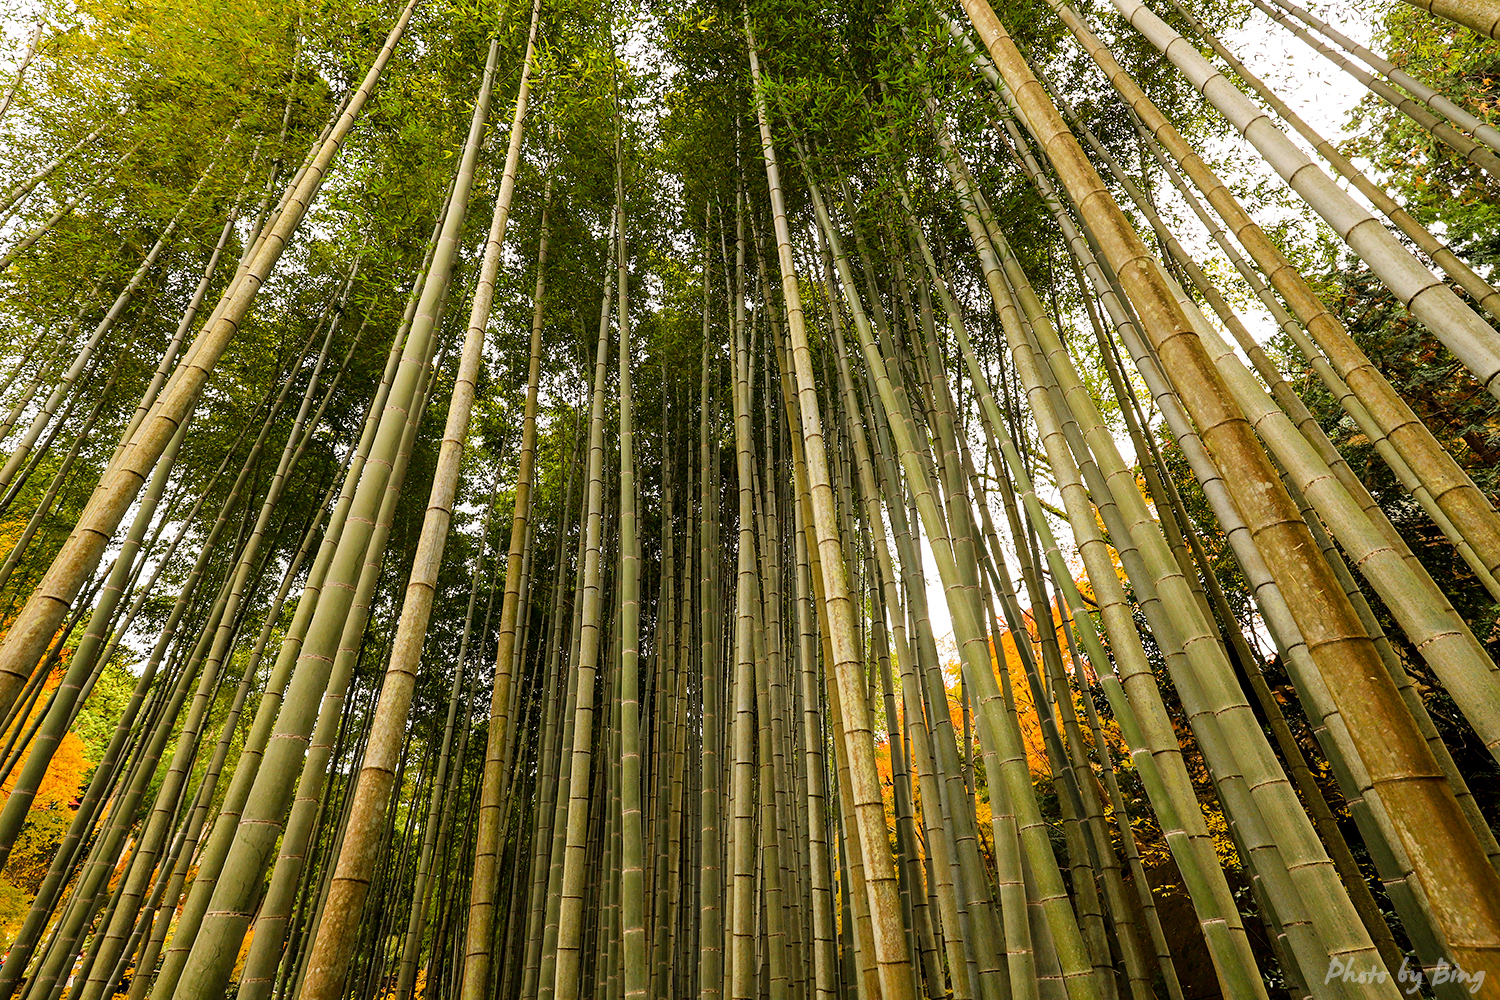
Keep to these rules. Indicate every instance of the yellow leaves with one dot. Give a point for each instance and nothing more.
(13, 906)
(48, 818)
(1026, 713)
(1218, 831)
(64, 778)
(239, 962)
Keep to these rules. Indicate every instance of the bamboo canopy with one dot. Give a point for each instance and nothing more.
(567, 500)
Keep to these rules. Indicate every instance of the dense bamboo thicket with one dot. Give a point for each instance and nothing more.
(586, 500)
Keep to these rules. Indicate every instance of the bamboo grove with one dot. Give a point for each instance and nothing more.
(847, 501)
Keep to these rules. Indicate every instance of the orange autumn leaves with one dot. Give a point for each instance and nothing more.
(51, 811)
(1009, 668)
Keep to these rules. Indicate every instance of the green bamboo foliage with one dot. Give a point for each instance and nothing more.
(48, 604)
(998, 563)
